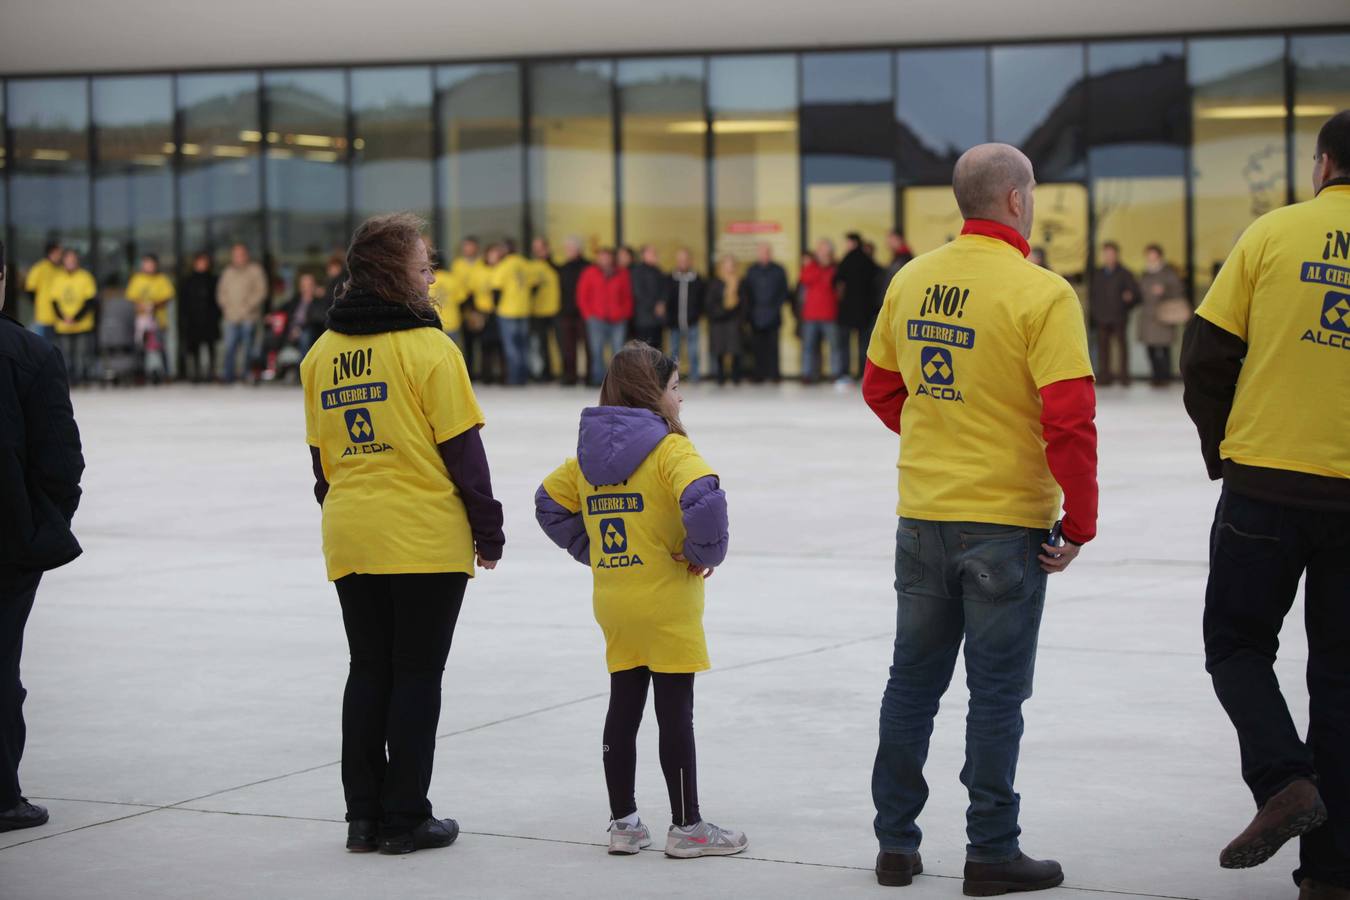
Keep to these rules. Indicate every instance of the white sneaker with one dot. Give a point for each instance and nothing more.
(625, 839)
(704, 839)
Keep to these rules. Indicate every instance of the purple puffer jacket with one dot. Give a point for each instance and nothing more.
(613, 442)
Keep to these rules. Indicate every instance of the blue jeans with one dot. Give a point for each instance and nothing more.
(599, 335)
(680, 339)
(516, 348)
(812, 335)
(982, 584)
(238, 336)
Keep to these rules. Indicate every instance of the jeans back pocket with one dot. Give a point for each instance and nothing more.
(994, 563)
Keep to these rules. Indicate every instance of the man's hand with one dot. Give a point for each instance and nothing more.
(704, 572)
(488, 564)
(1057, 559)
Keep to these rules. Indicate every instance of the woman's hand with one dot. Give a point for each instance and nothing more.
(704, 572)
(488, 564)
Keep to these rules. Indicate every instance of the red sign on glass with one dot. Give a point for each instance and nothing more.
(754, 228)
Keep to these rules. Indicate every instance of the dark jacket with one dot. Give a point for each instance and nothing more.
(857, 275)
(766, 293)
(886, 276)
(689, 312)
(1113, 293)
(569, 273)
(726, 316)
(40, 457)
(649, 289)
(198, 312)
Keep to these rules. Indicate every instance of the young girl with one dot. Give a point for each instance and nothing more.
(645, 512)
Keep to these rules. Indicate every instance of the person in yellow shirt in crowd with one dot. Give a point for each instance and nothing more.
(641, 508)
(513, 282)
(38, 283)
(448, 295)
(1267, 373)
(400, 471)
(75, 301)
(482, 347)
(979, 361)
(151, 291)
(544, 308)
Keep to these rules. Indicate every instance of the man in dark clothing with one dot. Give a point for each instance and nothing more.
(40, 468)
(1269, 392)
(856, 283)
(686, 296)
(1114, 291)
(571, 328)
(901, 255)
(766, 292)
(649, 298)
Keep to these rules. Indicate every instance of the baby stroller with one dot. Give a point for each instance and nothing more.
(119, 357)
(280, 353)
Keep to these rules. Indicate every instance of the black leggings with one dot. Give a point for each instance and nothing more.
(675, 717)
(399, 629)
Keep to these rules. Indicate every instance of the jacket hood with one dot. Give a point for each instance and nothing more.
(614, 440)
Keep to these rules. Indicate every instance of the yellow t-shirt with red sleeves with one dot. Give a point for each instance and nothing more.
(38, 283)
(975, 330)
(377, 406)
(1285, 291)
(649, 606)
(448, 295)
(70, 294)
(152, 290)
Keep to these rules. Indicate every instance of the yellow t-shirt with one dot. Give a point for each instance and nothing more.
(515, 278)
(1285, 290)
(70, 291)
(376, 406)
(38, 283)
(154, 289)
(649, 606)
(976, 331)
(448, 295)
(547, 289)
(478, 284)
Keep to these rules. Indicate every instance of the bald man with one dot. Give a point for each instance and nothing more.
(979, 360)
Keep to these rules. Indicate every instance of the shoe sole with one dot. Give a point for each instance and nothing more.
(706, 851)
(998, 888)
(629, 850)
(899, 879)
(1268, 843)
(362, 847)
(36, 823)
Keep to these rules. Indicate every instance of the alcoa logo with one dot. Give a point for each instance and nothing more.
(614, 544)
(935, 363)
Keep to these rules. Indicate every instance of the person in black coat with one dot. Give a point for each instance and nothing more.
(686, 296)
(766, 293)
(571, 328)
(40, 468)
(855, 280)
(198, 320)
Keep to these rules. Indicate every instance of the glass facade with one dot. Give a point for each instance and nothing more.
(1173, 140)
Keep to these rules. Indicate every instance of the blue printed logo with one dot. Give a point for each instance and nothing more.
(1336, 311)
(359, 426)
(614, 535)
(936, 365)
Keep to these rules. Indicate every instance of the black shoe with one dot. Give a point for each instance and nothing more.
(898, 869)
(429, 835)
(23, 815)
(1013, 877)
(361, 836)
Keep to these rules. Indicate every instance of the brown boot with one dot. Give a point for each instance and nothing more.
(1312, 889)
(1016, 876)
(1295, 810)
(898, 869)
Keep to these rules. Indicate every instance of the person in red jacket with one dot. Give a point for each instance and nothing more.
(819, 314)
(979, 360)
(605, 300)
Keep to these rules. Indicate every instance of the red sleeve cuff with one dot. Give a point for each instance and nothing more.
(885, 393)
(1068, 411)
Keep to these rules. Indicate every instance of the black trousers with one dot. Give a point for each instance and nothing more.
(1160, 361)
(675, 717)
(17, 590)
(541, 347)
(860, 336)
(1258, 552)
(764, 346)
(399, 629)
(1113, 353)
(571, 332)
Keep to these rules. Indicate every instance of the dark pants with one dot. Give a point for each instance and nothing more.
(1113, 353)
(1258, 552)
(80, 354)
(190, 361)
(727, 366)
(982, 584)
(675, 718)
(17, 590)
(541, 347)
(483, 353)
(571, 334)
(856, 336)
(1160, 361)
(764, 346)
(399, 629)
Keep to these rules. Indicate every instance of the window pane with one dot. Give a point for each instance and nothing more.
(392, 168)
(481, 192)
(1321, 89)
(931, 217)
(1038, 106)
(220, 186)
(306, 168)
(1061, 229)
(756, 170)
(1238, 156)
(572, 151)
(663, 168)
(133, 179)
(941, 110)
(49, 179)
(848, 145)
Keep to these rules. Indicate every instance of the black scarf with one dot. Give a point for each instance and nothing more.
(362, 313)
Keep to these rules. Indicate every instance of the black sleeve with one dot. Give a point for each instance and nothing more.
(55, 457)
(1211, 359)
(320, 482)
(466, 462)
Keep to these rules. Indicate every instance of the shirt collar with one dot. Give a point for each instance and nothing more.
(1341, 183)
(999, 231)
